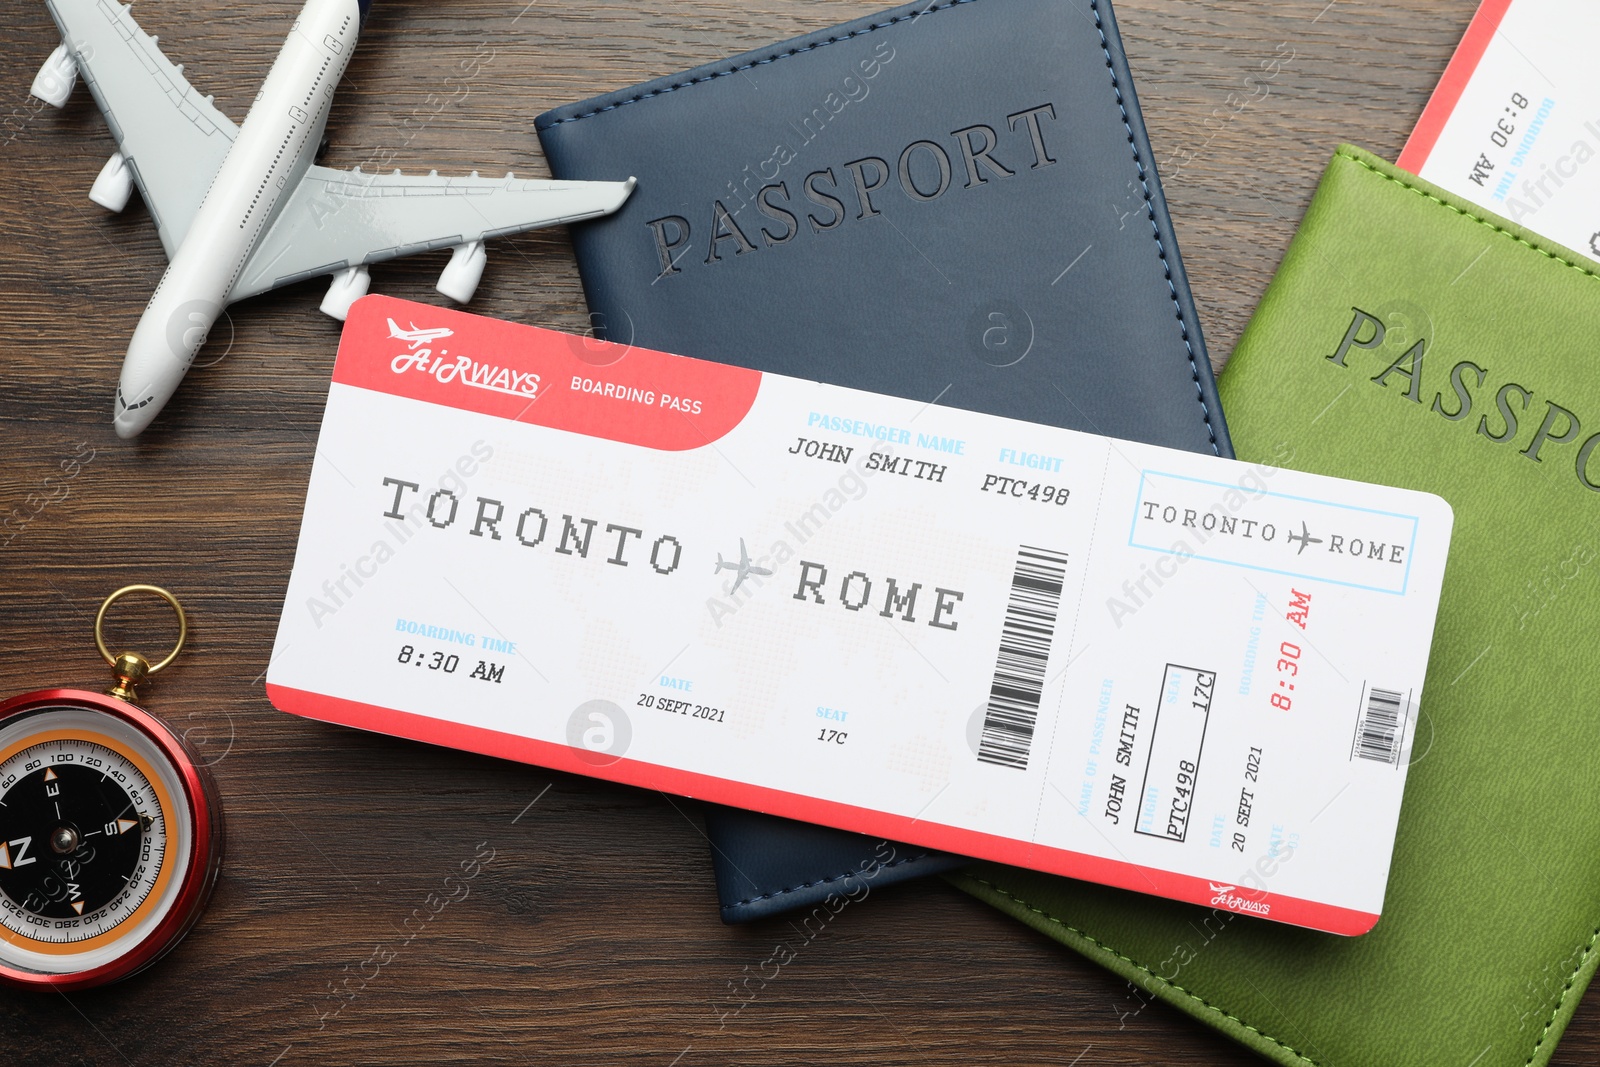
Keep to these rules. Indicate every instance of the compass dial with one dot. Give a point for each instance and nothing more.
(96, 838)
(84, 837)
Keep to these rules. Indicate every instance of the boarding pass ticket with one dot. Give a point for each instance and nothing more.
(1514, 125)
(1173, 673)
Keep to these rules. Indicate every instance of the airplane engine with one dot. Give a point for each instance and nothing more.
(56, 79)
(348, 286)
(114, 184)
(464, 271)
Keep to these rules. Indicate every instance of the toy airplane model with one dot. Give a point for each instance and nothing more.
(243, 209)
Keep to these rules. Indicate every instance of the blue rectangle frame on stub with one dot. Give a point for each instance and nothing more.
(952, 201)
(1175, 510)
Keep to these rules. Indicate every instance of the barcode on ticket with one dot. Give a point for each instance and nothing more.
(1019, 669)
(1380, 726)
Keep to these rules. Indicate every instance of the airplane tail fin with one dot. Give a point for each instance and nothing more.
(395, 330)
(722, 564)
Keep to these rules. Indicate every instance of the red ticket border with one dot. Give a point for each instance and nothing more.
(1447, 94)
(1120, 873)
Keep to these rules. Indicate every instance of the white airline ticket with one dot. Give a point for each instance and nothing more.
(1514, 124)
(1173, 673)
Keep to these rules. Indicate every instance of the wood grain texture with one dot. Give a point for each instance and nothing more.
(592, 934)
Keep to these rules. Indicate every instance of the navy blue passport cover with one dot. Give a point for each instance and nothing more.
(953, 202)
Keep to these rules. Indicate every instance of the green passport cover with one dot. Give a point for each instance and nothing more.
(1483, 387)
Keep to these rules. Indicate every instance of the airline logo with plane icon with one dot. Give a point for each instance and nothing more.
(463, 369)
(1226, 898)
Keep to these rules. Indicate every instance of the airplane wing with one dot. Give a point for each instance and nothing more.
(172, 137)
(337, 219)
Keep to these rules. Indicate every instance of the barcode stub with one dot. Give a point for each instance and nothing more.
(1019, 670)
(1378, 731)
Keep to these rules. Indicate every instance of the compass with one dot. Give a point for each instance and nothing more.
(110, 833)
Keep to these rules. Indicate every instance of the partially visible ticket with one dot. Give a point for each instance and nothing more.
(1514, 125)
(1173, 673)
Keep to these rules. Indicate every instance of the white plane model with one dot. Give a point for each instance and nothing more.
(415, 337)
(243, 209)
(741, 569)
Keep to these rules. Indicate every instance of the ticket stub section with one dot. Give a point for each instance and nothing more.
(1515, 121)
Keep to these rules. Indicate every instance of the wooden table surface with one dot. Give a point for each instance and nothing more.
(592, 935)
